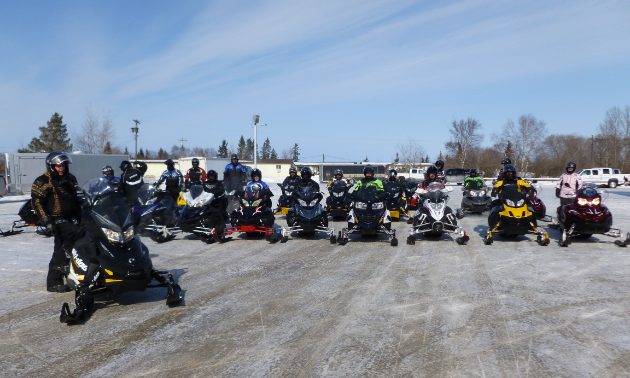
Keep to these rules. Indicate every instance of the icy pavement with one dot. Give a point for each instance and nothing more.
(311, 309)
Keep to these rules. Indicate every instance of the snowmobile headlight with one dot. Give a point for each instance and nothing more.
(302, 202)
(474, 193)
(151, 201)
(520, 203)
(256, 203)
(360, 205)
(596, 201)
(377, 206)
(482, 193)
(396, 195)
(200, 203)
(128, 235)
(340, 194)
(112, 236)
(582, 201)
(510, 203)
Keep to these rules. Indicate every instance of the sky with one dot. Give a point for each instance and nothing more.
(346, 79)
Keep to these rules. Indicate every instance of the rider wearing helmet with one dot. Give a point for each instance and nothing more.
(256, 176)
(504, 162)
(214, 186)
(195, 175)
(440, 174)
(510, 178)
(54, 200)
(369, 180)
(473, 179)
(291, 178)
(431, 175)
(393, 175)
(131, 180)
(570, 182)
(234, 171)
(108, 173)
(307, 174)
(337, 179)
(173, 179)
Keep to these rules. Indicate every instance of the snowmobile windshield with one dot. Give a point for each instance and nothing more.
(369, 194)
(197, 197)
(99, 187)
(512, 197)
(196, 191)
(252, 196)
(145, 193)
(475, 184)
(307, 197)
(338, 189)
(111, 208)
(434, 191)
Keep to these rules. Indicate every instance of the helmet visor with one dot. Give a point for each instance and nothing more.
(60, 159)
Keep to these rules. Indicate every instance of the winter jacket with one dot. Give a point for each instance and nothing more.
(195, 176)
(215, 187)
(473, 181)
(132, 177)
(522, 186)
(568, 185)
(264, 191)
(372, 181)
(425, 183)
(312, 183)
(236, 170)
(56, 196)
(173, 178)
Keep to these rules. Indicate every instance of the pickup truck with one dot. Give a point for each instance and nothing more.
(602, 176)
(415, 174)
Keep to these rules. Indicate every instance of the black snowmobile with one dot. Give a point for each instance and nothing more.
(396, 202)
(28, 218)
(339, 201)
(155, 213)
(307, 216)
(201, 216)
(253, 216)
(369, 216)
(476, 198)
(286, 201)
(110, 259)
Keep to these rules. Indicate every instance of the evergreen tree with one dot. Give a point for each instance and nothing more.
(53, 137)
(397, 160)
(426, 160)
(265, 152)
(223, 150)
(440, 156)
(273, 154)
(147, 155)
(295, 152)
(162, 154)
(107, 149)
(140, 154)
(241, 150)
(249, 149)
(509, 151)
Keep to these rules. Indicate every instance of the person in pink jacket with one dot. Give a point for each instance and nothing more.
(570, 182)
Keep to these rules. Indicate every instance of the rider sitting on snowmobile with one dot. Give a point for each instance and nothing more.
(108, 173)
(173, 178)
(369, 180)
(431, 175)
(306, 180)
(264, 191)
(337, 179)
(504, 162)
(54, 199)
(510, 178)
(131, 180)
(473, 180)
(214, 186)
(292, 178)
(195, 175)
(234, 170)
(440, 174)
(570, 182)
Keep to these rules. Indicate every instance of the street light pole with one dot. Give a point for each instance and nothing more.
(135, 130)
(256, 119)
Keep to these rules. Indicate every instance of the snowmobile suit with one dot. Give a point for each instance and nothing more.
(195, 176)
(312, 183)
(264, 191)
(369, 181)
(472, 180)
(54, 199)
(174, 181)
(216, 187)
(567, 187)
(290, 179)
(131, 181)
(236, 170)
(425, 183)
(498, 188)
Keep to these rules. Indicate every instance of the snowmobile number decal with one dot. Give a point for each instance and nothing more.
(78, 261)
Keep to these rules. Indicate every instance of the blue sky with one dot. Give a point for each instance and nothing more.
(347, 79)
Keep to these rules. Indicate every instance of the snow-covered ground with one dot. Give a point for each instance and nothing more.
(308, 308)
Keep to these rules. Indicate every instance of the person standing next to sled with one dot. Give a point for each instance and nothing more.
(473, 180)
(108, 173)
(173, 179)
(131, 180)
(54, 199)
(234, 172)
(570, 182)
(431, 175)
(195, 175)
(214, 186)
(264, 188)
(440, 174)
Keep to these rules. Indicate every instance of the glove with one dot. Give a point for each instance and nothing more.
(558, 192)
(48, 223)
(567, 185)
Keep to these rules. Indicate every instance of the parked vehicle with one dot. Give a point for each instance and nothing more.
(455, 176)
(201, 217)
(602, 176)
(307, 216)
(285, 202)
(339, 201)
(413, 174)
(476, 198)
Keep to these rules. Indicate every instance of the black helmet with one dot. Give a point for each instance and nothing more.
(439, 164)
(125, 164)
(368, 168)
(509, 172)
(306, 171)
(432, 169)
(234, 156)
(256, 172)
(393, 175)
(195, 162)
(339, 172)
(292, 171)
(505, 161)
(108, 172)
(57, 158)
(212, 175)
(473, 170)
(169, 162)
(571, 165)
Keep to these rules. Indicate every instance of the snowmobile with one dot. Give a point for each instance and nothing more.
(232, 187)
(396, 202)
(434, 218)
(412, 201)
(587, 216)
(513, 217)
(110, 259)
(155, 213)
(538, 207)
(369, 216)
(254, 217)
(285, 202)
(339, 201)
(28, 218)
(201, 217)
(475, 198)
(307, 216)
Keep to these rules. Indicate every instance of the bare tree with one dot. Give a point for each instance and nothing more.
(94, 133)
(410, 153)
(612, 134)
(526, 137)
(465, 138)
(287, 153)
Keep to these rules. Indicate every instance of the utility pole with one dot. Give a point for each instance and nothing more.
(135, 130)
(182, 140)
(256, 119)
